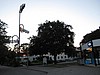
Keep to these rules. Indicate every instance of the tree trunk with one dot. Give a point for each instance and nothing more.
(55, 60)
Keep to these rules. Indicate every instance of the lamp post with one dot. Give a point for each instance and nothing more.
(20, 11)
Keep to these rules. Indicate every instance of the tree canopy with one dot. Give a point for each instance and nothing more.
(53, 37)
(3, 40)
(3, 37)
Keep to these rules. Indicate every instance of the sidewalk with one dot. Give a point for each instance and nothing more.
(92, 65)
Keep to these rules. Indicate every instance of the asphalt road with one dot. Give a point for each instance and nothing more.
(18, 71)
(50, 70)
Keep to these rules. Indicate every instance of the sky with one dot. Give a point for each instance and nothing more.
(83, 15)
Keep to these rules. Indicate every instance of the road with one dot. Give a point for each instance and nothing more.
(50, 70)
(18, 71)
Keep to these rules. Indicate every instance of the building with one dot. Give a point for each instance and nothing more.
(60, 57)
(90, 47)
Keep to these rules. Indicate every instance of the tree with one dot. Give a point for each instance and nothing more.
(37, 46)
(53, 37)
(3, 37)
(3, 54)
(3, 40)
(24, 49)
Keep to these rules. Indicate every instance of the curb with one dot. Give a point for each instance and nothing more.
(98, 66)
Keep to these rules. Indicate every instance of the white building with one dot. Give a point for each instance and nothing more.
(60, 57)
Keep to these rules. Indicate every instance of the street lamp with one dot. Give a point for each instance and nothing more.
(21, 8)
(20, 11)
(14, 41)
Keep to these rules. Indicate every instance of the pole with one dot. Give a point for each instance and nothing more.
(27, 58)
(20, 11)
(19, 30)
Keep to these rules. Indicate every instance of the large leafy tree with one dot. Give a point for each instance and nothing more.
(3, 40)
(37, 46)
(54, 37)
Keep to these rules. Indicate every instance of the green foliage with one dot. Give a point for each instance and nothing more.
(37, 47)
(3, 37)
(5, 56)
(52, 37)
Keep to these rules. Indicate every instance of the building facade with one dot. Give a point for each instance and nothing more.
(90, 47)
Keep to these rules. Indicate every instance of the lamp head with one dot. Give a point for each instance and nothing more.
(21, 8)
